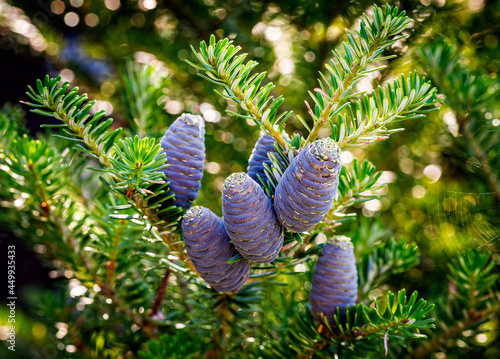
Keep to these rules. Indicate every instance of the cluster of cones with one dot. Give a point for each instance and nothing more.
(253, 224)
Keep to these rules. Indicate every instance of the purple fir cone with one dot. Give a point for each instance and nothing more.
(264, 145)
(308, 187)
(184, 143)
(334, 281)
(250, 219)
(209, 248)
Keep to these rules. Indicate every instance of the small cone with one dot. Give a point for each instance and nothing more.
(334, 281)
(264, 145)
(184, 143)
(209, 248)
(308, 187)
(250, 219)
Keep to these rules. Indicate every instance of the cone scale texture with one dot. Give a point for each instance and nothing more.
(209, 248)
(308, 187)
(184, 143)
(264, 145)
(250, 220)
(334, 281)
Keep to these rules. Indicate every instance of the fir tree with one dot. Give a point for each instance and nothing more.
(158, 279)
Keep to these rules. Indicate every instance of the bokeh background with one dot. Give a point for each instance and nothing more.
(440, 193)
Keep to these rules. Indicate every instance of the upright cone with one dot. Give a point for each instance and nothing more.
(184, 143)
(308, 187)
(264, 145)
(209, 248)
(250, 219)
(334, 281)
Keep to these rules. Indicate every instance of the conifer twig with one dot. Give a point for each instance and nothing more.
(471, 143)
(335, 99)
(71, 243)
(346, 69)
(473, 318)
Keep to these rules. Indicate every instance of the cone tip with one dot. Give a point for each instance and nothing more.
(192, 120)
(193, 213)
(341, 241)
(326, 149)
(236, 179)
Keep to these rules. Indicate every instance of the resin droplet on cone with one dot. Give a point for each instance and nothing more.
(308, 187)
(334, 281)
(184, 143)
(264, 145)
(250, 219)
(209, 248)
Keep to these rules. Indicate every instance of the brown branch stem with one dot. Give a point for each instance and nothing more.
(160, 294)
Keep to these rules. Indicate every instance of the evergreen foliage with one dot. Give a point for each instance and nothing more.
(469, 94)
(151, 278)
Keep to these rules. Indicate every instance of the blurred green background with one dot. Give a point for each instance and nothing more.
(440, 193)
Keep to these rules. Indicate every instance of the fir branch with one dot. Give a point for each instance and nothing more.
(183, 289)
(183, 343)
(106, 289)
(481, 154)
(40, 171)
(138, 164)
(111, 265)
(41, 174)
(473, 276)
(362, 331)
(221, 332)
(469, 94)
(10, 127)
(74, 111)
(134, 164)
(408, 98)
(472, 320)
(466, 92)
(222, 67)
(399, 314)
(472, 299)
(348, 68)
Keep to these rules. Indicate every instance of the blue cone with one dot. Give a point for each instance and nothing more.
(250, 220)
(264, 145)
(334, 281)
(308, 187)
(184, 143)
(209, 248)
